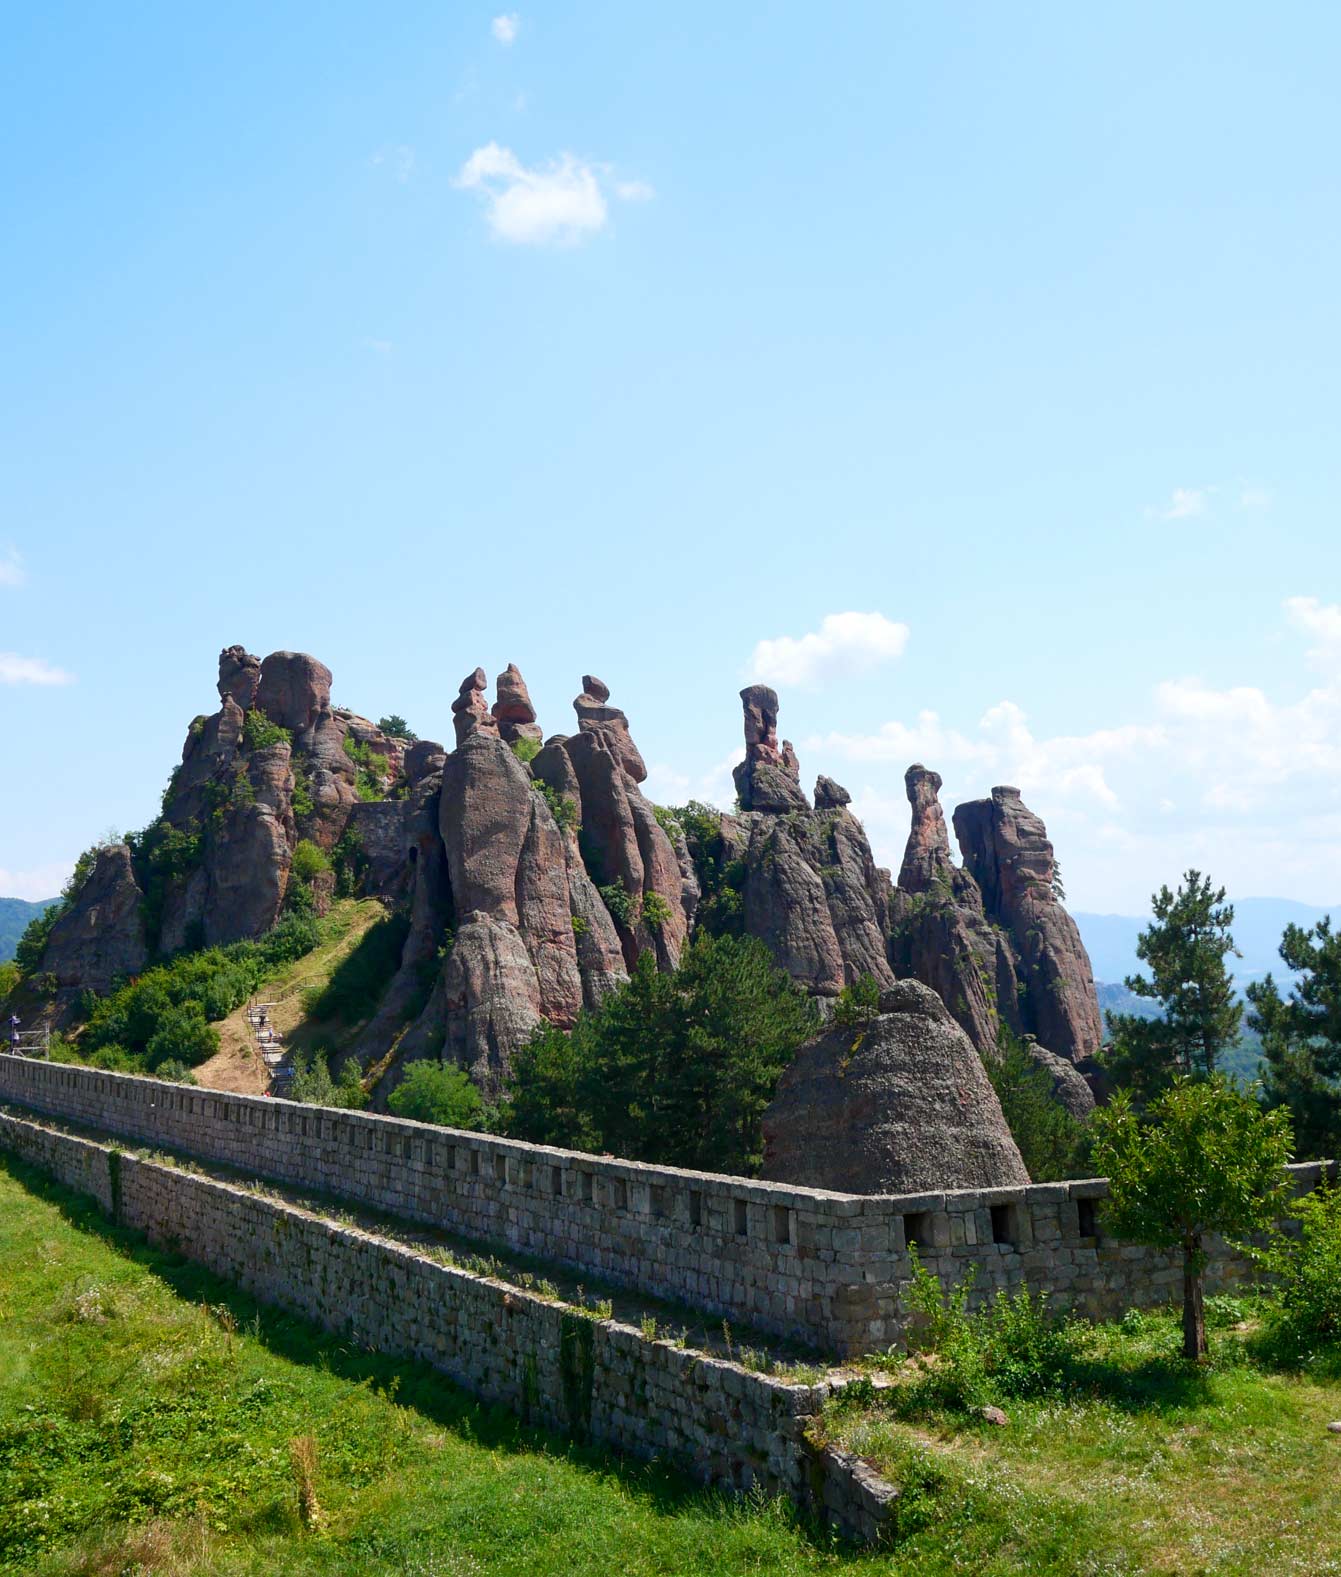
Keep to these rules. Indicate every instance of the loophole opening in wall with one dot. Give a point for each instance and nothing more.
(657, 1195)
(741, 1217)
(500, 1169)
(588, 1188)
(781, 1219)
(556, 1181)
(695, 1208)
(619, 1194)
(1003, 1224)
(1089, 1218)
(474, 1163)
(917, 1229)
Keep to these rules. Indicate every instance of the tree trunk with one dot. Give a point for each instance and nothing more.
(1194, 1299)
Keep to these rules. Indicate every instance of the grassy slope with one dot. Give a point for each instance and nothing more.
(1150, 1469)
(236, 1066)
(153, 1437)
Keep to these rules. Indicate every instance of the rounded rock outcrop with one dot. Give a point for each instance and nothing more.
(903, 1106)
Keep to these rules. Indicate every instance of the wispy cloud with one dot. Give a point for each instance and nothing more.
(561, 202)
(1185, 503)
(1254, 498)
(845, 644)
(12, 572)
(37, 883)
(382, 347)
(398, 160)
(30, 670)
(505, 28)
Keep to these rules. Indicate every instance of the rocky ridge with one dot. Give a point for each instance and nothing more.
(535, 873)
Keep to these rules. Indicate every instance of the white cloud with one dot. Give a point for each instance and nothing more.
(30, 670)
(845, 644)
(399, 160)
(1185, 503)
(665, 785)
(12, 572)
(560, 202)
(505, 28)
(1254, 498)
(1321, 621)
(37, 883)
(383, 347)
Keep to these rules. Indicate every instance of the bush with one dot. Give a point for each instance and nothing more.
(567, 816)
(1010, 1348)
(32, 944)
(309, 861)
(438, 1092)
(623, 909)
(259, 732)
(174, 1072)
(525, 750)
(1052, 1143)
(857, 1008)
(350, 863)
(9, 977)
(720, 908)
(656, 911)
(396, 727)
(312, 1083)
(182, 1036)
(1305, 1309)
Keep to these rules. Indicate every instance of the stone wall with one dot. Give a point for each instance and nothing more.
(552, 1364)
(820, 1267)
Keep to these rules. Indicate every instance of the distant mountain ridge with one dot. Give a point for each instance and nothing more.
(1259, 923)
(15, 913)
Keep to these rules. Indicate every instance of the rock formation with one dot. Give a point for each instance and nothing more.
(513, 709)
(908, 1108)
(809, 885)
(101, 935)
(1007, 852)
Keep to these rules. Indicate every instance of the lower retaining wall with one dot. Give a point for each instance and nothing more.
(552, 1364)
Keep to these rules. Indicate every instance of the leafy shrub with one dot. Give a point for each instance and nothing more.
(857, 1008)
(370, 778)
(312, 1083)
(163, 854)
(174, 1072)
(1052, 1143)
(1011, 1347)
(259, 732)
(622, 907)
(721, 908)
(438, 1092)
(525, 750)
(350, 863)
(302, 800)
(9, 977)
(309, 860)
(656, 911)
(1305, 1264)
(567, 816)
(182, 1035)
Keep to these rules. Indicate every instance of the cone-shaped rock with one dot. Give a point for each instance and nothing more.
(908, 1109)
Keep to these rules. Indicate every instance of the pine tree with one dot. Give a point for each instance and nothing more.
(1301, 1037)
(1185, 947)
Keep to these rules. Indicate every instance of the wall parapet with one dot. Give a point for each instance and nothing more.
(823, 1268)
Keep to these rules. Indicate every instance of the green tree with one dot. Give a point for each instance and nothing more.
(1204, 1158)
(1052, 1143)
(396, 727)
(674, 1068)
(1185, 948)
(32, 944)
(438, 1092)
(1301, 1037)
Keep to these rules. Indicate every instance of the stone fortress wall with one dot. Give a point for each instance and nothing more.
(823, 1268)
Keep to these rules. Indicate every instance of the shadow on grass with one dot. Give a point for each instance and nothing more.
(664, 1490)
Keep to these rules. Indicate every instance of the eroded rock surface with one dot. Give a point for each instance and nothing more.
(101, 936)
(907, 1109)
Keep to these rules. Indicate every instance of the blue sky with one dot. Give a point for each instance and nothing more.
(967, 372)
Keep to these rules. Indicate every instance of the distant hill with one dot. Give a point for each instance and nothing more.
(15, 914)
(1110, 939)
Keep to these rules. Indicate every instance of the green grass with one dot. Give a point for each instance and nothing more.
(146, 1411)
(1142, 1465)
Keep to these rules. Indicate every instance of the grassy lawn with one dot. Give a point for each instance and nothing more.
(1145, 1467)
(146, 1411)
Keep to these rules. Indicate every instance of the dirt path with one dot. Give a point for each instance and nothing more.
(237, 1066)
